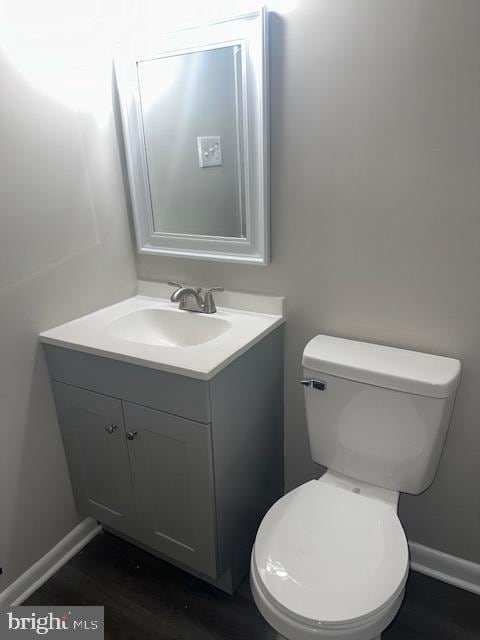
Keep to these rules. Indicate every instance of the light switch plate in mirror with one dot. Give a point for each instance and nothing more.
(209, 151)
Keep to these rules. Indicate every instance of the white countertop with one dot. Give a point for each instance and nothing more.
(90, 333)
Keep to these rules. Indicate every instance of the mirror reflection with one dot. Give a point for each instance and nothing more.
(192, 116)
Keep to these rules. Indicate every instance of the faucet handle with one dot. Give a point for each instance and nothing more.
(178, 287)
(208, 301)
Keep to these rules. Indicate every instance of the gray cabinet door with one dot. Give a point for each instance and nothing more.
(97, 454)
(172, 476)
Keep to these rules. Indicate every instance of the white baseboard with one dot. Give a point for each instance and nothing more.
(457, 571)
(49, 564)
(442, 566)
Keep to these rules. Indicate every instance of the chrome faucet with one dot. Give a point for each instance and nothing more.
(190, 298)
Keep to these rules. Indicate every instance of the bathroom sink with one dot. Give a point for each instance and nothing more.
(168, 327)
(150, 331)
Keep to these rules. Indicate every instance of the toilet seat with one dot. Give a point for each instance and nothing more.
(332, 552)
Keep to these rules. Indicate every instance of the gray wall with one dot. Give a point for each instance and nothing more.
(198, 99)
(64, 251)
(375, 137)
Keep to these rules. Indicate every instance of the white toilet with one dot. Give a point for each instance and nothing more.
(330, 559)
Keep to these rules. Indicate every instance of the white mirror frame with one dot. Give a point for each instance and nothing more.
(250, 32)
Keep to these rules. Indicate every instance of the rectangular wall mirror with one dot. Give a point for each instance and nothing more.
(195, 129)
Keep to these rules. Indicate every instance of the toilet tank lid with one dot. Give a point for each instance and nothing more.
(399, 369)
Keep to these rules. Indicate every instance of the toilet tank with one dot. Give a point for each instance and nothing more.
(378, 414)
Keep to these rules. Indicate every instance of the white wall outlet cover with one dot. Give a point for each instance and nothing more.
(209, 151)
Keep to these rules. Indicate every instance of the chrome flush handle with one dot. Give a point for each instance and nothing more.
(311, 383)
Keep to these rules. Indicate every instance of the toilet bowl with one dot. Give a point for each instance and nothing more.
(330, 559)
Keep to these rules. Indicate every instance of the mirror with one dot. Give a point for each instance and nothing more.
(195, 129)
(191, 108)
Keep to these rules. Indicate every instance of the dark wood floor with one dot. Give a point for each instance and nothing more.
(148, 599)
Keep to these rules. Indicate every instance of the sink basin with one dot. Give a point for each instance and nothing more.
(149, 331)
(168, 327)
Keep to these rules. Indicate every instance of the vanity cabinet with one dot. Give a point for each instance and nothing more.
(185, 468)
(141, 471)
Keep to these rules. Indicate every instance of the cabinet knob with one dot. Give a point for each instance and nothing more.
(131, 434)
(110, 428)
